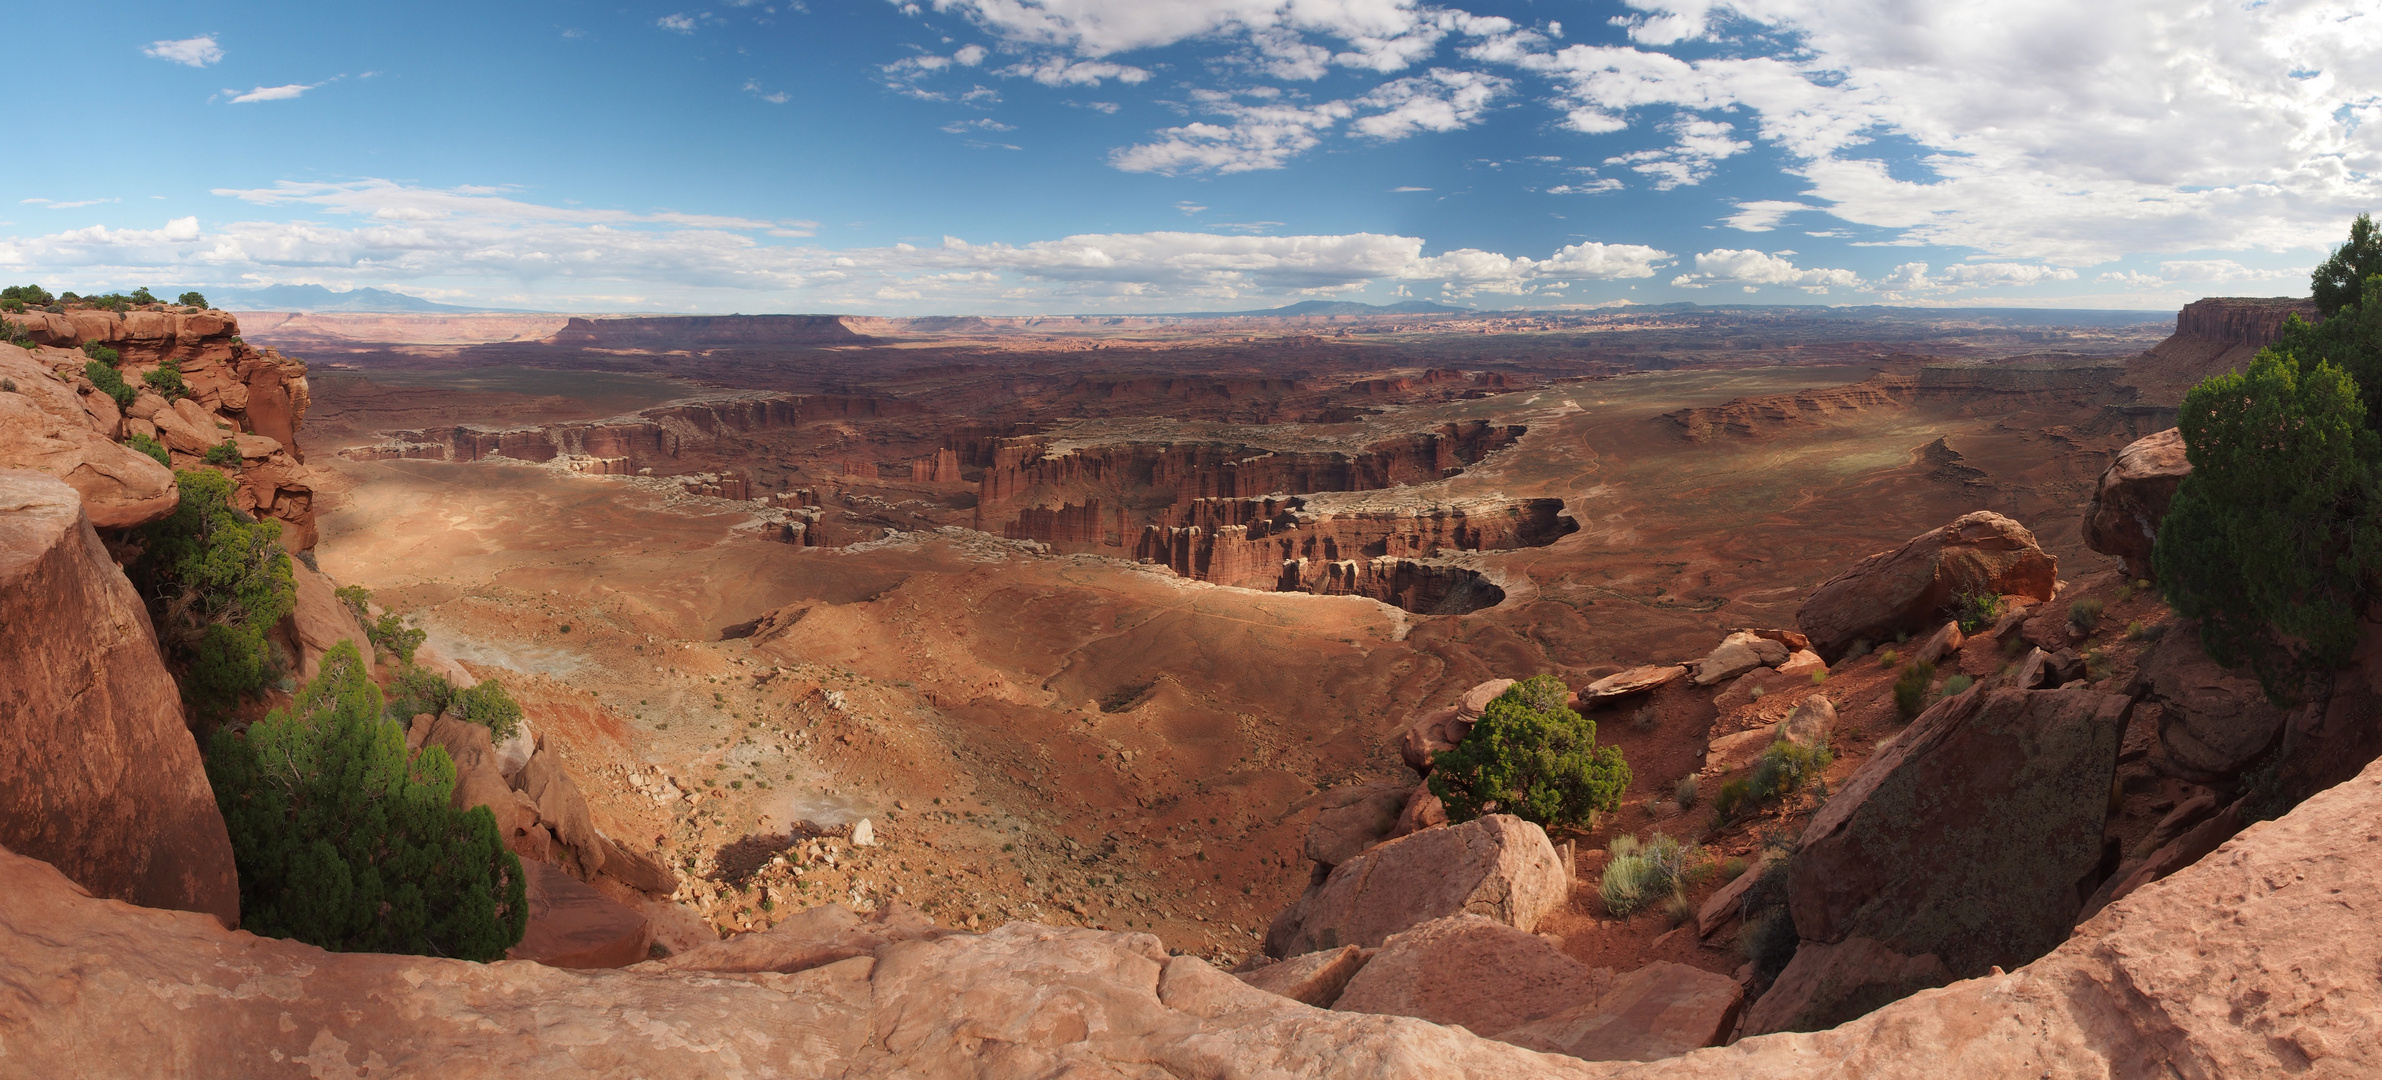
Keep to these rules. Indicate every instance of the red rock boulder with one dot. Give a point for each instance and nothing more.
(1316, 978)
(1473, 972)
(98, 775)
(45, 427)
(2132, 497)
(573, 926)
(1908, 589)
(1497, 866)
(1659, 1011)
(1353, 819)
(2213, 723)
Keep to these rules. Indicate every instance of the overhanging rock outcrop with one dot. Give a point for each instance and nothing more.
(2256, 962)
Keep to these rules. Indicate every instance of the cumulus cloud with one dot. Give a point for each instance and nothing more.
(1914, 277)
(1269, 132)
(1056, 71)
(2209, 271)
(487, 242)
(1373, 35)
(677, 24)
(2046, 130)
(1443, 100)
(1762, 215)
(1755, 269)
(197, 52)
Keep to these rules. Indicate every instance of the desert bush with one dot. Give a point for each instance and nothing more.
(2140, 631)
(1641, 874)
(141, 296)
(489, 706)
(109, 383)
(389, 633)
(1532, 756)
(8, 386)
(1819, 678)
(216, 579)
(2015, 646)
(1785, 768)
(1910, 688)
(1730, 798)
(2339, 281)
(225, 453)
(166, 379)
(1647, 718)
(358, 600)
(1955, 685)
(33, 295)
(1768, 935)
(2085, 614)
(1858, 649)
(1687, 790)
(414, 691)
(1976, 610)
(103, 354)
(149, 446)
(1887, 657)
(1677, 909)
(341, 842)
(1731, 869)
(2126, 591)
(191, 299)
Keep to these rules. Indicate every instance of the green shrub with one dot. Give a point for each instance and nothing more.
(141, 296)
(342, 843)
(414, 691)
(1976, 610)
(1686, 791)
(2085, 614)
(1642, 874)
(2138, 631)
(389, 632)
(1955, 685)
(217, 580)
(1532, 756)
(1730, 798)
(103, 354)
(1819, 678)
(226, 452)
(149, 446)
(490, 707)
(191, 299)
(13, 307)
(1910, 689)
(2272, 538)
(1733, 868)
(8, 386)
(1785, 768)
(358, 600)
(166, 379)
(1769, 935)
(1888, 658)
(2338, 281)
(34, 295)
(109, 383)
(2126, 591)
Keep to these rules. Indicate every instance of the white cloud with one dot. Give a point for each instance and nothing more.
(1762, 215)
(2209, 271)
(1754, 269)
(73, 205)
(1056, 71)
(2045, 129)
(1443, 100)
(271, 93)
(197, 52)
(677, 24)
(1914, 276)
(1268, 133)
(774, 97)
(485, 242)
(1587, 187)
(971, 55)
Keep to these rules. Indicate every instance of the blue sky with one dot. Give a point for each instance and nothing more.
(1026, 156)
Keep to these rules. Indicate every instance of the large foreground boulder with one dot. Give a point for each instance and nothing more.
(2256, 962)
(1473, 972)
(1498, 866)
(1354, 818)
(1974, 837)
(98, 775)
(1910, 588)
(1659, 1011)
(2213, 723)
(2132, 497)
(574, 926)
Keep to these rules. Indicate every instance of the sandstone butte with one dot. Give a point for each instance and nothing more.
(2257, 961)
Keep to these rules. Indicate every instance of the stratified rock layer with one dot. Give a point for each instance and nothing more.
(98, 776)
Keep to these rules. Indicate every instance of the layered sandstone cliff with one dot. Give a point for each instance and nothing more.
(2212, 336)
(679, 332)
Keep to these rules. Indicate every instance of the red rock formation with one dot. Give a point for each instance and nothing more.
(1277, 545)
(98, 775)
(650, 439)
(2212, 336)
(1475, 973)
(574, 926)
(2242, 320)
(46, 426)
(2132, 497)
(1498, 866)
(1911, 587)
(1756, 416)
(942, 468)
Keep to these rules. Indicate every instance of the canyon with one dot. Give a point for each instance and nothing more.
(985, 695)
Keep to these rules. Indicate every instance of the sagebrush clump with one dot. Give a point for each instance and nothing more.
(1910, 688)
(1638, 875)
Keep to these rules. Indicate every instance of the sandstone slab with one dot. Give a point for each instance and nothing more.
(1472, 972)
(2131, 499)
(1496, 866)
(1636, 680)
(813, 937)
(1970, 835)
(1315, 978)
(2213, 723)
(98, 775)
(1809, 723)
(1946, 641)
(1354, 818)
(1912, 586)
(1659, 1011)
(1436, 733)
(1829, 983)
(320, 620)
(573, 926)
(44, 428)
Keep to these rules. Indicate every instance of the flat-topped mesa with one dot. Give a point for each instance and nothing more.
(2255, 321)
(681, 332)
(1140, 483)
(626, 444)
(1278, 545)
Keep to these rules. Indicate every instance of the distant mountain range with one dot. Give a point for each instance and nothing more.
(318, 298)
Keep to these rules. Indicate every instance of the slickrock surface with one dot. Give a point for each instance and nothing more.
(1909, 588)
(1498, 866)
(1476, 973)
(2257, 962)
(97, 773)
(2131, 499)
(573, 926)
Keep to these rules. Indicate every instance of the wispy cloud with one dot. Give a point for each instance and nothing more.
(680, 24)
(56, 205)
(774, 97)
(272, 93)
(195, 52)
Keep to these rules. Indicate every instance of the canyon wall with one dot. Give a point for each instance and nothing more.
(679, 332)
(619, 445)
(98, 775)
(2212, 336)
